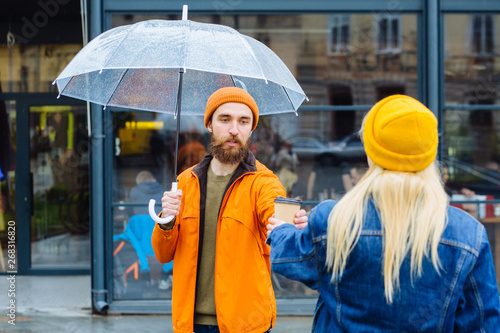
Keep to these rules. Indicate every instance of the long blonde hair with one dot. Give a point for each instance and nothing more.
(412, 210)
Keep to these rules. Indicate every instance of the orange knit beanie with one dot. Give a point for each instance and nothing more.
(231, 95)
(400, 134)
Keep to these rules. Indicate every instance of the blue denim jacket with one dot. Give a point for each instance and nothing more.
(462, 297)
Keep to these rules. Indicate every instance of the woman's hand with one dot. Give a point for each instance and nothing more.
(301, 219)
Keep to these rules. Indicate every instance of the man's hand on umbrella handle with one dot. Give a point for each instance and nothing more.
(170, 204)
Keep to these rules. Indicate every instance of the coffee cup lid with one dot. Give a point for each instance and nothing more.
(288, 201)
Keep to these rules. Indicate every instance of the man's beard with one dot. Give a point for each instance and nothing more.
(231, 155)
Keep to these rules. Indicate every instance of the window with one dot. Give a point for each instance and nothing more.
(389, 33)
(471, 64)
(482, 35)
(339, 35)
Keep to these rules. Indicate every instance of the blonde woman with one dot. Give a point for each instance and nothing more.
(391, 255)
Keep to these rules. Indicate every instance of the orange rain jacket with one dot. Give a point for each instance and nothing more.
(244, 296)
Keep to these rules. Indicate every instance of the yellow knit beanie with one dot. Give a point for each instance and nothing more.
(231, 95)
(400, 134)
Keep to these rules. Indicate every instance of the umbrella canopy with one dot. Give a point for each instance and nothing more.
(174, 67)
(138, 66)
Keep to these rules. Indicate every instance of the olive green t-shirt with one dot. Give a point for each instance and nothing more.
(204, 309)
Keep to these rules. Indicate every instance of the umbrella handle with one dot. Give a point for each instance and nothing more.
(152, 213)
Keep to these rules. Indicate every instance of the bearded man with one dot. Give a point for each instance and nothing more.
(222, 271)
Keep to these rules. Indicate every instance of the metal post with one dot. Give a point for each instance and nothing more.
(433, 48)
(99, 291)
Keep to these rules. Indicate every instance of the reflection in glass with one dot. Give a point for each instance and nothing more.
(395, 33)
(472, 168)
(389, 33)
(482, 34)
(33, 67)
(59, 166)
(471, 142)
(143, 168)
(383, 34)
(472, 61)
(471, 150)
(358, 52)
(339, 30)
(137, 273)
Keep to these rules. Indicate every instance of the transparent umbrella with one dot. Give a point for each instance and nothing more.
(174, 66)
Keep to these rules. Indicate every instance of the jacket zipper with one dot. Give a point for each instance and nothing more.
(218, 231)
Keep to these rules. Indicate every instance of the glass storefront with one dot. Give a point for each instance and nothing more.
(344, 63)
(8, 150)
(143, 168)
(471, 121)
(472, 66)
(471, 143)
(44, 188)
(33, 67)
(59, 157)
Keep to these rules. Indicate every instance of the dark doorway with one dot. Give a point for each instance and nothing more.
(342, 122)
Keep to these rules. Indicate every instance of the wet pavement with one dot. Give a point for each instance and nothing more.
(62, 304)
(85, 322)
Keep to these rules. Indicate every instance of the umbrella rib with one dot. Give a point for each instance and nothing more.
(184, 49)
(187, 36)
(115, 88)
(117, 48)
(291, 103)
(253, 54)
(67, 84)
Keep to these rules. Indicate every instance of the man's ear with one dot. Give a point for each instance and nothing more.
(209, 126)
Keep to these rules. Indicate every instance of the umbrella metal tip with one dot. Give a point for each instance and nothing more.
(53, 83)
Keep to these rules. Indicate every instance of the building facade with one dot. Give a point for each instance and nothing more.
(72, 174)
